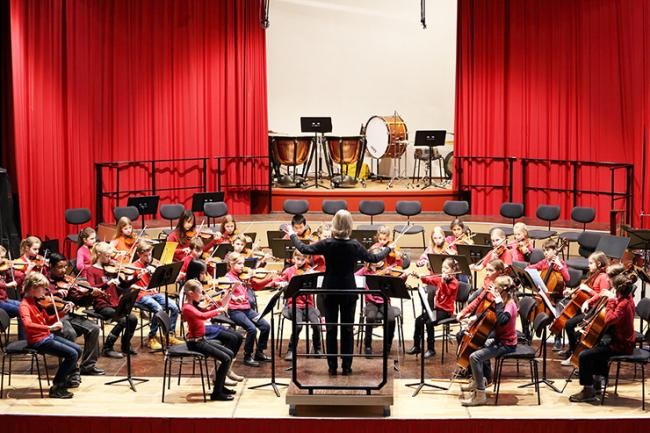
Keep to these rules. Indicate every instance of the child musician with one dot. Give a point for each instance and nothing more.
(553, 261)
(29, 248)
(374, 308)
(124, 240)
(8, 281)
(521, 247)
(198, 342)
(39, 326)
(299, 225)
(305, 308)
(106, 302)
(240, 311)
(438, 245)
(382, 240)
(182, 234)
(152, 299)
(499, 251)
(443, 305)
(597, 281)
(317, 261)
(228, 230)
(619, 318)
(196, 252)
(504, 341)
(87, 239)
(461, 235)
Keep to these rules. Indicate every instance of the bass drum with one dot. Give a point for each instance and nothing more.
(449, 164)
(386, 136)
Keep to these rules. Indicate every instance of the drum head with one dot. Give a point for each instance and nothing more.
(377, 137)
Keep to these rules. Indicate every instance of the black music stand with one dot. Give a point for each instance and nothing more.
(430, 139)
(123, 310)
(613, 246)
(269, 309)
(163, 276)
(435, 261)
(283, 248)
(317, 125)
(482, 239)
(222, 250)
(365, 237)
(199, 199)
(147, 205)
(220, 269)
(158, 249)
(474, 254)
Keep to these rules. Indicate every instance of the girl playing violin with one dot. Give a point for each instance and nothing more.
(382, 240)
(29, 260)
(7, 281)
(196, 252)
(446, 286)
(305, 308)
(39, 326)
(521, 247)
(185, 231)
(461, 233)
(438, 245)
(101, 276)
(87, 239)
(228, 229)
(619, 318)
(198, 341)
(374, 308)
(318, 261)
(240, 311)
(499, 251)
(124, 240)
(553, 263)
(503, 342)
(597, 281)
(151, 299)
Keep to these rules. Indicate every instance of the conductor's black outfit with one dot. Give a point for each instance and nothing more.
(341, 255)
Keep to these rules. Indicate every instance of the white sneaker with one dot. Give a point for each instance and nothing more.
(478, 399)
(566, 362)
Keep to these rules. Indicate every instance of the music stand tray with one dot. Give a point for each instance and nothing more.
(613, 246)
(199, 199)
(221, 250)
(430, 139)
(147, 205)
(365, 237)
(473, 253)
(639, 238)
(282, 248)
(435, 260)
(482, 239)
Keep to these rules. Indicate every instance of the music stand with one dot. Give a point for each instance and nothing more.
(645, 279)
(613, 246)
(199, 199)
(49, 246)
(435, 261)
(220, 269)
(482, 239)
(364, 237)
(222, 250)
(147, 205)
(274, 234)
(282, 248)
(158, 249)
(123, 310)
(430, 139)
(474, 254)
(317, 125)
(252, 237)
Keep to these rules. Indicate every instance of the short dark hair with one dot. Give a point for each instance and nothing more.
(298, 219)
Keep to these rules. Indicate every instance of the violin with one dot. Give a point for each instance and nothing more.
(393, 271)
(49, 303)
(17, 264)
(259, 273)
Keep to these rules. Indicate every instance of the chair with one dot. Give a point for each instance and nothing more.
(409, 209)
(512, 211)
(546, 213)
(587, 241)
(523, 352)
(17, 349)
(643, 311)
(371, 208)
(177, 353)
(171, 212)
(526, 305)
(75, 216)
(536, 256)
(330, 207)
(456, 208)
(583, 215)
(295, 207)
(215, 209)
(131, 212)
(640, 358)
(575, 278)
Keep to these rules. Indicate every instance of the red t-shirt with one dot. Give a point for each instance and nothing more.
(195, 319)
(507, 334)
(36, 322)
(446, 294)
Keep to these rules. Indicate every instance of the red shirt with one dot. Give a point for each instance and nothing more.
(143, 281)
(84, 258)
(506, 334)
(600, 283)
(195, 319)
(302, 301)
(96, 277)
(620, 316)
(3, 286)
(476, 306)
(239, 289)
(505, 257)
(179, 254)
(542, 265)
(36, 322)
(446, 294)
(517, 255)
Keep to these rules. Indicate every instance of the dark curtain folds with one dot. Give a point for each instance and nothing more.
(98, 81)
(556, 79)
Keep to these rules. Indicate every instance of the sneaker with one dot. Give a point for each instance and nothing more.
(288, 356)
(429, 353)
(586, 395)
(59, 392)
(109, 352)
(566, 362)
(471, 386)
(413, 350)
(229, 383)
(557, 347)
(174, 341)
(153, 343)
(478, 399)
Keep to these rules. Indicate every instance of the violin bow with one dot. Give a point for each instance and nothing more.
(404, 230)
(11, 268)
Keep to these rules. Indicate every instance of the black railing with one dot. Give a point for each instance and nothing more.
(211, 173)
(509, 164)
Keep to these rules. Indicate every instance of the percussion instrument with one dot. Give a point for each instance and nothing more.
(345, 151)
(290, 152)
(386, 136)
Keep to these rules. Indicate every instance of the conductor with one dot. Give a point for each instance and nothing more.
(341, 253)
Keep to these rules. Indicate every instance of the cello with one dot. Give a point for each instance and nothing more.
(477, 333)
(593, 330)
(578, 298)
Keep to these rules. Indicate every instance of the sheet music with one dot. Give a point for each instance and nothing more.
(425, 302)
(542, 290)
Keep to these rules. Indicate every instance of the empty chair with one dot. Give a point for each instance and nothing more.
(546, 213)
(371, 208)
(456, 208)
(409, 209)
(170, 212)
(330, 207)
(295, 207)
(75, 216)
(215, 209)
(536, 256)
(582, 215)
(512, 211)
(131, 212)
(587, 241)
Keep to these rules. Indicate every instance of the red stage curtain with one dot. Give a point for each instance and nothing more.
(553, 79)
(97, 81)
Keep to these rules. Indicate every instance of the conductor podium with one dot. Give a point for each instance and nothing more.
(368, 385)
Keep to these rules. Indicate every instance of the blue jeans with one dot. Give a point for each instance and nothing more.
(156, 303)
(11, 307)
(480, 360)
(244, 318)
(61, 348)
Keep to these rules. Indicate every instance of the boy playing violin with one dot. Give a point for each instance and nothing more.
(39, 326)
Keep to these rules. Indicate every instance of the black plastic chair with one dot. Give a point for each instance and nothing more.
(462, 295)
(76, 217)
(371, 208)
(131, 212)
(639, 357)
(526, 305)
(215, 209)
(512, 211)
(643, 311)
(546, 213)
(523, 352)
(587, 241)
(295, 207)
(409, 209)
(536, 256)
(456, 208)
(582, 215)
(330, 207)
